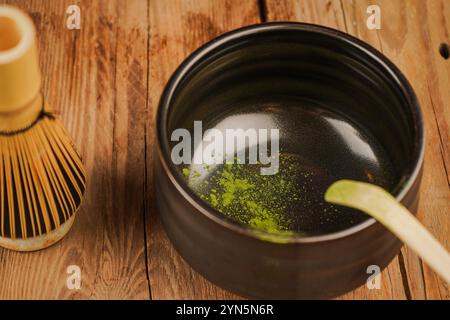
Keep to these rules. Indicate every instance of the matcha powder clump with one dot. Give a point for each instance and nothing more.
(240, 192)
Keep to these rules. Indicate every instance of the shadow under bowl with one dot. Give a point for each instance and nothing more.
(342, 109)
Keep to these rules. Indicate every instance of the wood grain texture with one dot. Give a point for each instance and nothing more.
(176, 29)
(410, 35)
(95, 79)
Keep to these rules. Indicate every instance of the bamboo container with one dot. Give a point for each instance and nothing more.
(42, 178)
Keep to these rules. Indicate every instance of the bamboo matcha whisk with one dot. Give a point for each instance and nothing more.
(42, 178)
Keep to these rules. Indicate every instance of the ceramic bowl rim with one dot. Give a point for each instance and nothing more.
(162, 141)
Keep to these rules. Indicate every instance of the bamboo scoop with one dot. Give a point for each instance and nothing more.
(382, 206)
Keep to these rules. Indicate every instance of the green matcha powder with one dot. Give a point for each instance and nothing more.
(241, 193)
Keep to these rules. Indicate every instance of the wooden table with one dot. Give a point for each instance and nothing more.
(105, 81)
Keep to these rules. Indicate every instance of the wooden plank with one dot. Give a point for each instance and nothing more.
(97, 85)
(126, 221)
(410, 35)
(177, 28)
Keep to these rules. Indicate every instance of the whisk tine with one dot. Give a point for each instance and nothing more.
(9, 188)
(64, 150)
(31, 202)
(65, 145)
(18, 186)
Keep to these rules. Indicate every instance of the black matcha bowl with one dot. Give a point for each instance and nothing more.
(343, 111)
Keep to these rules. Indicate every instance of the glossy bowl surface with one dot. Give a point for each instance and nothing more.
(342, 107)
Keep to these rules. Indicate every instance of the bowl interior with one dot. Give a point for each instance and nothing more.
(340, 114)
